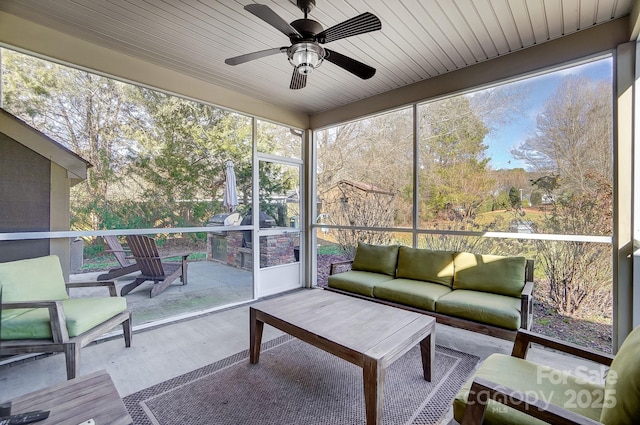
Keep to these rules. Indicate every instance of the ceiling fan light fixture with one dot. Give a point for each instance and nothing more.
(305, 57)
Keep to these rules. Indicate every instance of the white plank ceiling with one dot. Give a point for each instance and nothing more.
(419, 39)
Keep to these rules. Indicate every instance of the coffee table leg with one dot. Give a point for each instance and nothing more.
(427, 350)
(373, 374)
(255, 336)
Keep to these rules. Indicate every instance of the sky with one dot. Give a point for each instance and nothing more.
(540, 88)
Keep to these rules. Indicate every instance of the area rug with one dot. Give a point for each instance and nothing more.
(295, 383)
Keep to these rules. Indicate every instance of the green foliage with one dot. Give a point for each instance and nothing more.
(501, 202)
(536, 198)
(455, 179)
(514, 197)
(157, 160)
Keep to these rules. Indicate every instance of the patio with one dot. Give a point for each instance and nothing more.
(210, 285)
(164, 352)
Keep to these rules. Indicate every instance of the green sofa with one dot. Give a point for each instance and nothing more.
(485, 293)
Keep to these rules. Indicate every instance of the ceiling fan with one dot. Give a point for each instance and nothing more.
(306, 37)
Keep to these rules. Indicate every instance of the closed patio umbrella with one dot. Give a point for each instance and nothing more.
(230, 190)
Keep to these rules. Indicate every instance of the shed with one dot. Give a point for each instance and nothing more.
(36, 175)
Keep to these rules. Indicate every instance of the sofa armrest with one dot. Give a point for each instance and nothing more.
(332, 268)
(110, 284)
(482, 390)
(526, 306)
(524, 339)
(57, 318)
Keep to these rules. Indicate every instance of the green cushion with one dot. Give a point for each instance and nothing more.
(623, 384)
(357, 281)
(82, 314)
(376, 258)
(530, 378)
(35, 279)
(489, 273)
(415, 293)
(492, 309)
(425, 264)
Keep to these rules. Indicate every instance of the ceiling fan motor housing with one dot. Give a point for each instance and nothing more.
(305, 53)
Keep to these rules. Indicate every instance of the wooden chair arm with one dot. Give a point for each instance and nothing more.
(524, 338)
(110, 284)
(184, 255)
(332, 268)
(126, 251)
(57, 319)
(482, 390)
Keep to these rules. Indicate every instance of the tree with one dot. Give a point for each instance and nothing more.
(573, 134)
(180, 155)
(454, 180)
(89, 114)
(514, 197)
(577, 272)
(572, 147)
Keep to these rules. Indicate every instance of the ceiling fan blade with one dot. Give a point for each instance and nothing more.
(360, 24)
(265, 13)
(298, 81)
(355, 67)
(255, 55)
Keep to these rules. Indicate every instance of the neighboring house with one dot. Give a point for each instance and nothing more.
(36, 175)
(353, 203)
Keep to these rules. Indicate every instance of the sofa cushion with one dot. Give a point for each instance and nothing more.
(414, 293)
(489, 273)
(357, 281)
(622, 397)
(34, 279)
(425, 264)
(376, 258)
(82, 314)
(529, 378)
(483, 307)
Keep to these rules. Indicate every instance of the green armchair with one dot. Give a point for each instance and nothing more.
(38, 316)
(513, 390)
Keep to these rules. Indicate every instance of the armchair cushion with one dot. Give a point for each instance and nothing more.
(489, 273)
(425, 264)
(622, 384)
(81, 314)
(376, 258)
(34, 279)
(531, 379)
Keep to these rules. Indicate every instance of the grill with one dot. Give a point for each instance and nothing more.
(266, 221)
(224, 219)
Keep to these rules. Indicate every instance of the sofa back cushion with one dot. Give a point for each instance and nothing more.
(376, 258)
(489, 273)
(621, 404)
(425, 264)
(34, 279)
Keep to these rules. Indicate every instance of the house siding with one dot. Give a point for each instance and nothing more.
(25, 185)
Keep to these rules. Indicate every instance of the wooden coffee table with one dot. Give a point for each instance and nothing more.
(365, 333)
(91, 396)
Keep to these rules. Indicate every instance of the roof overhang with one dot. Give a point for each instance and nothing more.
(43, 145)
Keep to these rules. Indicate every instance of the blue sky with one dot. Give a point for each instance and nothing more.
(541, 88)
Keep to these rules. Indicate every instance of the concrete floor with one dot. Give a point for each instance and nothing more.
(210, 285)
(167, 351)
